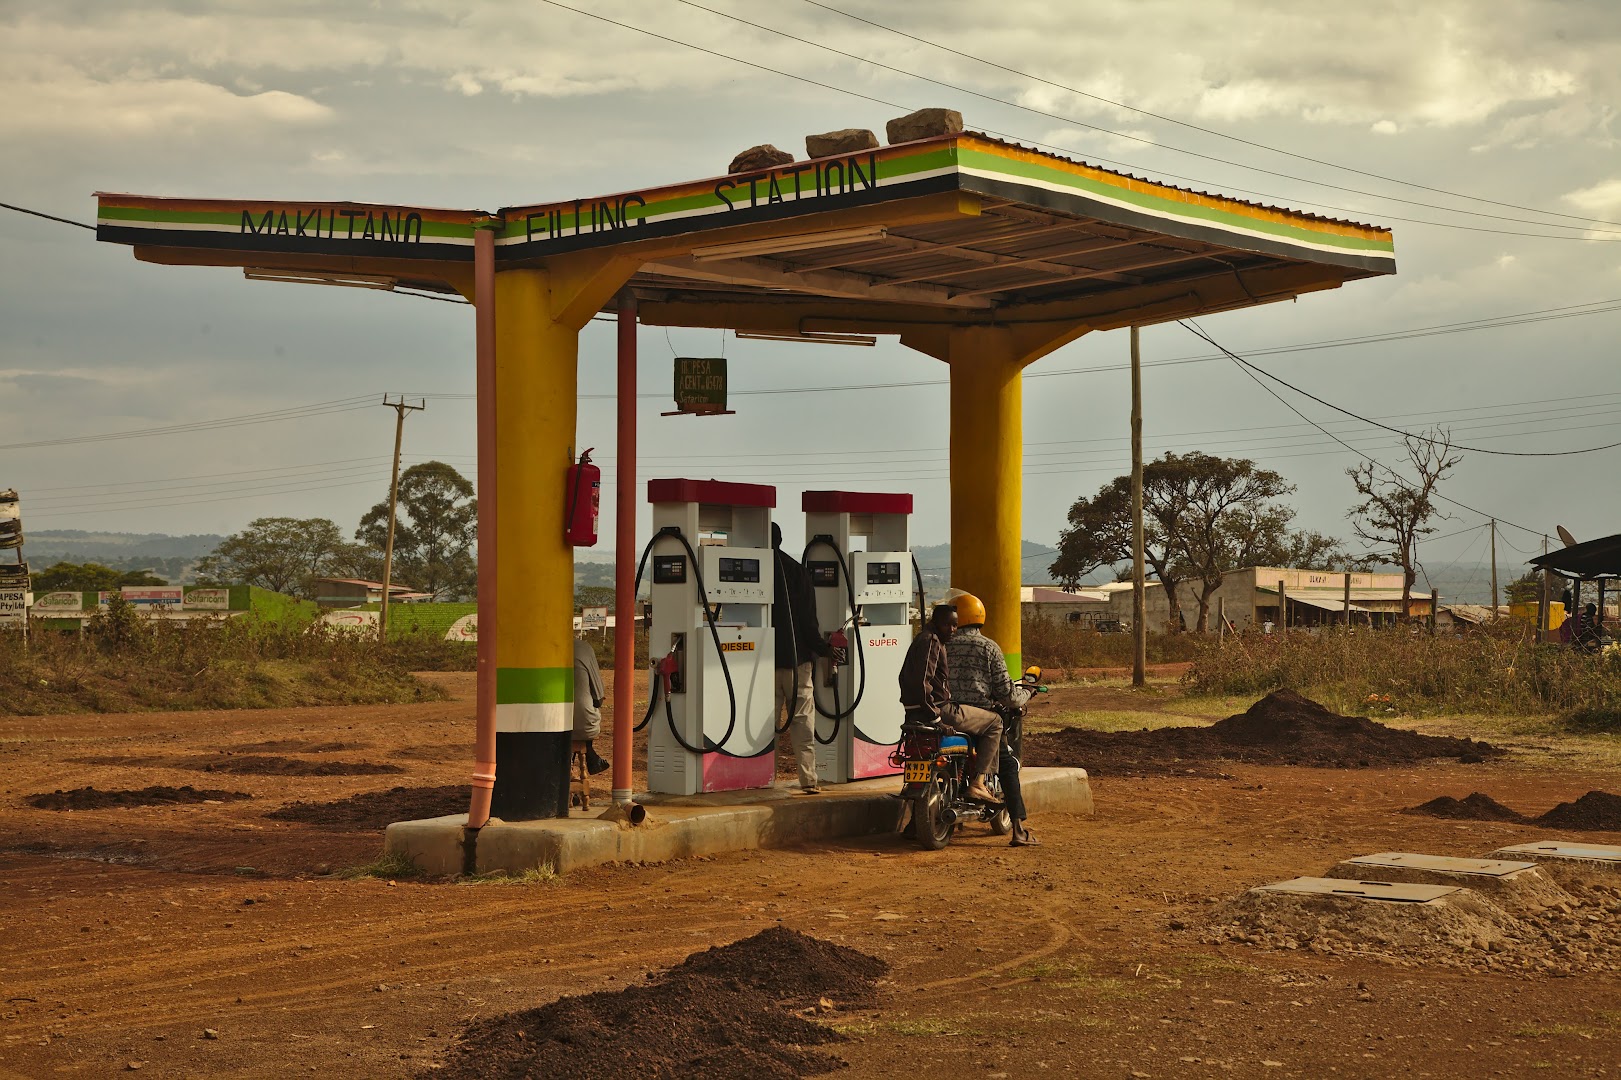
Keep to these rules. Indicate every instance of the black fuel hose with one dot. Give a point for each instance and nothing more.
(922, 597)
(838, 715)
(714, 633)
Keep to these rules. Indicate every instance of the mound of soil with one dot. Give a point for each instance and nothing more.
(792, 968)
(1282, 728)
(1475, 807)
(297, 746)
(1595, 810)
(272, 765)
(377, 809)
(719, 1014)
(1546, 931)
(88, 798)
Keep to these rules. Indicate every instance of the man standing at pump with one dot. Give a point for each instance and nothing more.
(799, 640)
(926, 696)
(979, 676)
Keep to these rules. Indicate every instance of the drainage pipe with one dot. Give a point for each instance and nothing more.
(484, 337)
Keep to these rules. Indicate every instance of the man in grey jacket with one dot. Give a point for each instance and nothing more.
(588, 698)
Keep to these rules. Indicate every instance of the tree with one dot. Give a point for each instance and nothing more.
(434, 534)
(281, 554)
(89, 577)
(594, 596)
(1395, 512)
(1525, 589)
(1203, 517)
(1099, 532)
(1211, 496)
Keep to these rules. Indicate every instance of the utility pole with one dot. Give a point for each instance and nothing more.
(1139, 597)
(1494, 569)
(400, 409)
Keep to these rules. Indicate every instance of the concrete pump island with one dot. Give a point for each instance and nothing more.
(983, 254)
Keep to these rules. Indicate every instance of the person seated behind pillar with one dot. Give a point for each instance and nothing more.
(588, 697)
(925, 685)
(979, 677)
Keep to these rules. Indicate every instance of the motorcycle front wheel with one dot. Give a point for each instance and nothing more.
(932, 818)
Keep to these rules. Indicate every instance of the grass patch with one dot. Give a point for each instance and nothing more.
(1490, 671)
(390, 864)
(127, 662)
(1071, 976)
(1204, 966)
(535, 875)
(1057, 645)
(921, 1027)
(1546, 1031)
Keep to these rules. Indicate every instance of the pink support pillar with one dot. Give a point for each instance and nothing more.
(484, 336)
(625, 555)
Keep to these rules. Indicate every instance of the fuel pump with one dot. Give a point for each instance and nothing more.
(711, 725)
(862, 595)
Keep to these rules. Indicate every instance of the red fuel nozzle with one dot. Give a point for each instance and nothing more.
(666, 668)
(839, 642)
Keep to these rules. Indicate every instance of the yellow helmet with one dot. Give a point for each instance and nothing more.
(970, 611)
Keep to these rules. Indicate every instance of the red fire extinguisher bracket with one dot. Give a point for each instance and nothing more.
(584, 487)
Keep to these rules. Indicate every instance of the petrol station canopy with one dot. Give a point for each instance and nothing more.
(960, 230)
(981, 253)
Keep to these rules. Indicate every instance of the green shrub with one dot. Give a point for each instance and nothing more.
(126, 661)
(1057, 645)
(1493, 671)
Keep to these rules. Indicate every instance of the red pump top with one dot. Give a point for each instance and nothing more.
(716, 492)
(855, 502)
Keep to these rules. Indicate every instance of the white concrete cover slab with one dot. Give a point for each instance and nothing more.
(1562, 850)
(1442, 863)
(1361, 890)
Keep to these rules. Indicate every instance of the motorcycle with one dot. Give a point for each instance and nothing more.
(937, 765)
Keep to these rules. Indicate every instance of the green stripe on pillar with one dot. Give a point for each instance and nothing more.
(545, 685)
(1015, 664)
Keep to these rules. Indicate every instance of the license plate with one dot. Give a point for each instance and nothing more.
(919, 772)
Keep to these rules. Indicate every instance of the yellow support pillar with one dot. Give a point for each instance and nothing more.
(987, 461)
(539, 314)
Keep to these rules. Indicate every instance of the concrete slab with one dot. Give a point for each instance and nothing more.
(1565, 859)
(1380, 891)
(1521, 886)
(679, 827)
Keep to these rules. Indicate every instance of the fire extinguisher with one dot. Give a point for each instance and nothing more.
(584, 485)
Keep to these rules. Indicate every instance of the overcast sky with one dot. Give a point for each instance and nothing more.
(482, 104)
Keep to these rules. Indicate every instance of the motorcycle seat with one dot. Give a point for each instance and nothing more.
(953, 744)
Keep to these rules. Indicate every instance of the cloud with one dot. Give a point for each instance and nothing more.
(58, 101)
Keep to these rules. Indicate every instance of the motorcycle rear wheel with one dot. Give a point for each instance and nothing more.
(933, 824)
(1001, 821)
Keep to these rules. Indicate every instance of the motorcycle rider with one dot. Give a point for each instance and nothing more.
(926, 695)
(979, 677)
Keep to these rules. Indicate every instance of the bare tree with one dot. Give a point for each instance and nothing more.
(1395, 512)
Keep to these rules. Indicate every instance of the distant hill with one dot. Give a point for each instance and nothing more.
(170, 557)
(77, 545)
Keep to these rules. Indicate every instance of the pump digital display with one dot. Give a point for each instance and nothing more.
(746, 570)
(669, 569)
(823, 575)
(883, 573)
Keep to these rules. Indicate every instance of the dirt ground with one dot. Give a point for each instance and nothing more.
(208, 938)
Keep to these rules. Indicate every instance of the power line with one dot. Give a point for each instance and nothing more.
(47, 217)
(1408, 434)
(1197, 127)
(1128, 136)
(1400, 479)
(272, 416)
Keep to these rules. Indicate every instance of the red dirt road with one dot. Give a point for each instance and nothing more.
(126, 935)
